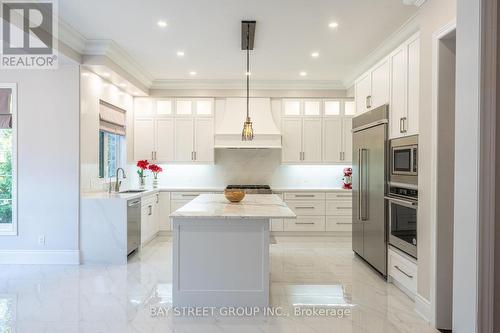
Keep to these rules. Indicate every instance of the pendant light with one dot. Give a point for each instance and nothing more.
(248, 32)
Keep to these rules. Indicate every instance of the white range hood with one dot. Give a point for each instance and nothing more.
(231, 114)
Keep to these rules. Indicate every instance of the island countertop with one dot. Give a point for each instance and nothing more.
(253, 206)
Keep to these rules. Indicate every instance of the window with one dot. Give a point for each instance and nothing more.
(111, 153)
(112, 147)
(8, 198)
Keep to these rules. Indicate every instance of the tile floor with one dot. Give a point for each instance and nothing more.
(305, 273)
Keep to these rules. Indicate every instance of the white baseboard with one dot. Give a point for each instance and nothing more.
(423, 307)
(46, 257)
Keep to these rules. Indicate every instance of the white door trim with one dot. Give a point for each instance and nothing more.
(437, 36)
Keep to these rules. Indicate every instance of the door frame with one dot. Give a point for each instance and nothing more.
(436, 39)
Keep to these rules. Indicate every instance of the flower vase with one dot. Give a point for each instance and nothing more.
(142, 182)
(155, 183)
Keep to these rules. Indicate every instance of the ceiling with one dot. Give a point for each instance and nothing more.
(208, 32)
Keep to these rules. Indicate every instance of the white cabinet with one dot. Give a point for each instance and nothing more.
(405, 89)
(402, 271)
(144, 139)
(184, 139)
(149, 218)
(167, 130)
(372, 88)
(164, 211)
(347, 140)
(332, 140)
(301, 140)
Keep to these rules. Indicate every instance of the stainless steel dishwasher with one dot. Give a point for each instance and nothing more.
(133, 225)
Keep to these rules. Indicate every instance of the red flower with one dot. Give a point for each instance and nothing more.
(142, 164)
(155, 168)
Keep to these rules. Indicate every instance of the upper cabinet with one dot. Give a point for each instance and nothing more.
(174, 130)
(317, 131)
(404, 102)
(372, 89)
(394, 80)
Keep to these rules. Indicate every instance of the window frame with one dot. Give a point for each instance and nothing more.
(13, 230)
(120, 155)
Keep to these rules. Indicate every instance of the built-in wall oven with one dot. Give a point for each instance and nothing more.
(404, 160)
(403, 206)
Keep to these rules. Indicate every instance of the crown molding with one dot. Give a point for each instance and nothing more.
(410, 27)
(111, 50)
(71, 37)
(254, 84)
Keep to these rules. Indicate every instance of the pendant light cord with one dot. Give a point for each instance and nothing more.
(248, 71)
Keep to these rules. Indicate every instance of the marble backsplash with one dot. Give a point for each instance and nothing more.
(245, 166)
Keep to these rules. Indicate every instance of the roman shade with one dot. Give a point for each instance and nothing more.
(5, 113)
(112, 119)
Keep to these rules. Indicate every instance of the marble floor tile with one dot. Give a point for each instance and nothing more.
(306, 274)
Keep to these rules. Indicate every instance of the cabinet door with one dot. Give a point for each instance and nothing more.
(164, 211)
(380, 85)
(347, 140)
(146, 220)
(311, 140)
(332, 140)
(362, 91)
(144, 139)
(411, 123)
(398, 91)
(204, 139)
(164, 140)
(184, 139)
(292, 140)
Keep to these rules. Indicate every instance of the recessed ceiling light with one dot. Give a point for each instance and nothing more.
(315, 54)
(192, 73)
(303, 73)
(333, 25)
(162, 24)
(180, 53)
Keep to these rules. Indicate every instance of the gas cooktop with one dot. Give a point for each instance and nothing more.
(252, 189)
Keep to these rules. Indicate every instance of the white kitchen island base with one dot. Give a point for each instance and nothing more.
(221, 250)
(220, 262)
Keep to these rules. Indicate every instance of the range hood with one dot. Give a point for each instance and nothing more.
(228, 126)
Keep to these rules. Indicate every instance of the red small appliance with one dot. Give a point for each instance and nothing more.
(347, 179)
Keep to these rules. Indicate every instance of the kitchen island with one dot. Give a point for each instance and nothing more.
(221, 250)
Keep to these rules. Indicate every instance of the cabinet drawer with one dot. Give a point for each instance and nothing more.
(276, 225)
(345, 195)
(402, 270)
(312, 223)
(307, 208)
(339, 208)
(304, 196)
(176, 204)
(343, 224)
(184, 195)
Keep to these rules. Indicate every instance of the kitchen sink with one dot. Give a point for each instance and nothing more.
(132, 191)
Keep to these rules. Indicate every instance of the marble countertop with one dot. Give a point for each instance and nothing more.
(257, 206)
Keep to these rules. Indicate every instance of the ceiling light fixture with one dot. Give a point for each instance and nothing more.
(302, 73)
(192, 73)
(333, 25)
(247, 41)
(162, 24)
(315, 54)
(180, 53)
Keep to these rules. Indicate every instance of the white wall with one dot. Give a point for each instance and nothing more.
(48, 158)
(93, 89)
(246, 166)
(433, 15)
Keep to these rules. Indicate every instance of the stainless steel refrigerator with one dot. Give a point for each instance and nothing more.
(369, 183)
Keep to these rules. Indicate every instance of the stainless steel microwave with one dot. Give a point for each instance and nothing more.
(404, 160)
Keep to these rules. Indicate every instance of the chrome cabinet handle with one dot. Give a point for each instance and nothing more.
(304, 195)
(134, 203)
(368, 101)
(399, 269)
(344, 196)
(304, 207)
(150, 210)
(344, 207)
(341, 223)
(400, 125)
(340, 156)
(157, 198)
(405, 129)
(152, 155)
(304, 222)
(189, 195)
(194, 155)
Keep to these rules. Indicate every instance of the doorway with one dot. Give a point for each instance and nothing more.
(445, 70)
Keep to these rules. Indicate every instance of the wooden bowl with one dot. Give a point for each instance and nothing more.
(234, 195)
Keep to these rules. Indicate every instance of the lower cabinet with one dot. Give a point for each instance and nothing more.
(402, 271)
(305, 223)
(164, 211)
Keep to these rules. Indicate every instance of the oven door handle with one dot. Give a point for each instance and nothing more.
(406, 203)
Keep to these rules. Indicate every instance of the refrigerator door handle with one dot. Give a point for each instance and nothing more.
(360, 188)
(362, 175)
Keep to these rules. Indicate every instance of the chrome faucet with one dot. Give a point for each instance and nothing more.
(119, 182)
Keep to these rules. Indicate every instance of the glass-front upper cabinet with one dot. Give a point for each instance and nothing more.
(204, 106)
(164, 107)
(333, 107)
(301, 107)
(349, 108)
(312, 108)
(183, 107)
